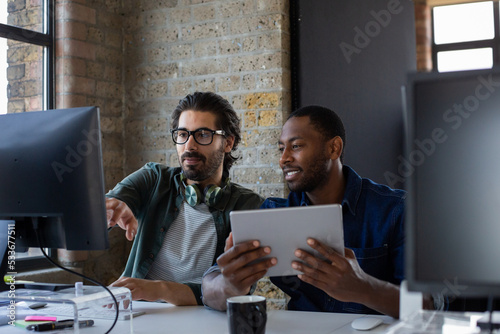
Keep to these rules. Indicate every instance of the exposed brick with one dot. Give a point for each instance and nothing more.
(141, 144)
(179, 15)
(204, 84)
(181, 51)
(205, 30)
(156, 18)
(74, 48)
(111, 124)
(157, 90)
(250, 119)
(257, 175)
(157, 54)
(205, 67)
(71, 29)
(228, 83)
(269, 118)
(95, 70)
(16, 72)
(77, 12)
(204, 12)
(205, 49)
(71, 66)
(77, 85)
(229, 46)
(263, 100)
(180, 87)
(156, 36)
(248, 82)
(257, 62)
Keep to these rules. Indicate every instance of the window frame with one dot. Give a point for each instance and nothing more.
(47, 41)
(494, 43)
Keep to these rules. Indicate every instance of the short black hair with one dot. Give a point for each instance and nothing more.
(325, 120)
(226, 118)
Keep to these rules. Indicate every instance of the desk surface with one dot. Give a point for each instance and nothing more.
(163, 318)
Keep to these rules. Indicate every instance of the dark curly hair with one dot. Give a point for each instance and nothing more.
(326, 121)
(227, 119)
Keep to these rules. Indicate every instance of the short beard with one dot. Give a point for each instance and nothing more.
(211, 165)
(315, 176)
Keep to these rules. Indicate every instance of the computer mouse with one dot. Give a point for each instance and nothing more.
(365, 323)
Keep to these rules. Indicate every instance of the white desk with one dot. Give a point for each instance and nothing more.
(165, 318)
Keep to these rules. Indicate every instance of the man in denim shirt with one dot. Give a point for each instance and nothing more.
(367, 278)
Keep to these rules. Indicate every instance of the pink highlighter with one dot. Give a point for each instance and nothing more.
(39, 318)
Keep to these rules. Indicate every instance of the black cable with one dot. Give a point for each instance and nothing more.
(35, 227)
(490, 309)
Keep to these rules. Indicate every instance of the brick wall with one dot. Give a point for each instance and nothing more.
(423, 35)
(89, 67)
(239, 49)
(24, 72)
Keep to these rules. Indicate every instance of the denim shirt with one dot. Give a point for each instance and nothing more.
(373, 228)
(153, 194)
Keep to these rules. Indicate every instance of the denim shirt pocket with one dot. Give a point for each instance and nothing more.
(375, 262)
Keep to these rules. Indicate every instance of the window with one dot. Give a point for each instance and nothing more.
(26, 55)
(465, 36)
(26, 70)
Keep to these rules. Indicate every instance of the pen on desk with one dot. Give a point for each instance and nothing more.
(59, 325)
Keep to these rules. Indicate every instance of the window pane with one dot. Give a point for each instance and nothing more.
(465, 22)
(22, 13)
(3, 11)
(3, 76)
(464, 59)
(24, 77)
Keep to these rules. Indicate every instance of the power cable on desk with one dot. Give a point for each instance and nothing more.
(35, 226)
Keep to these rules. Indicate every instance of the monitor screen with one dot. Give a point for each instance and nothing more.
(51, 170)
(452, 165)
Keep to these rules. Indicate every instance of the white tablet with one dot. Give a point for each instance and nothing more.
(286, 229)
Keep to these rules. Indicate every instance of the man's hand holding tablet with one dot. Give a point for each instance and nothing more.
(285, 230)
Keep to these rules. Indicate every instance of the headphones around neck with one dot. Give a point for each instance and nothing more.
(211, 194)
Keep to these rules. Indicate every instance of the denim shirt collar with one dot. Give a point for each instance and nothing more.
(352, 189)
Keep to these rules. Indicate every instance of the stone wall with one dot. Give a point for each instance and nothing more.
(239, 49)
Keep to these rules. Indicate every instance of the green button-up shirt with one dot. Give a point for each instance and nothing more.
(153, 194)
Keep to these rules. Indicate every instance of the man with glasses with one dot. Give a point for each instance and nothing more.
(178, 217)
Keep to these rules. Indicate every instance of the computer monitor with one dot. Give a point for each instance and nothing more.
(452, 166)
(51, 173)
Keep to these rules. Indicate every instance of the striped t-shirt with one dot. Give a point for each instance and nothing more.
(188, 248)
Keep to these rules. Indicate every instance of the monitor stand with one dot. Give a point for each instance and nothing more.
(7, 266)
(484, 322)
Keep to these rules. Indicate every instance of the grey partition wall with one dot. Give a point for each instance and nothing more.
(353, 56)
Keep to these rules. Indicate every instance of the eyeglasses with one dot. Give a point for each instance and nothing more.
(202, 136)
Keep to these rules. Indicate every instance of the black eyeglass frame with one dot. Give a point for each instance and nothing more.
(192, 133)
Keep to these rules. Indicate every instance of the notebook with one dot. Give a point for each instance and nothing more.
(286, 229)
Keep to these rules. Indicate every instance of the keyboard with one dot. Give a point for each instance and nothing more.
(96, 312)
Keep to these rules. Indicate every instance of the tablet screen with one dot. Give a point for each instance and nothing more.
(286, 229)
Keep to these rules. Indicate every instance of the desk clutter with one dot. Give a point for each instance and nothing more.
(69, 308)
